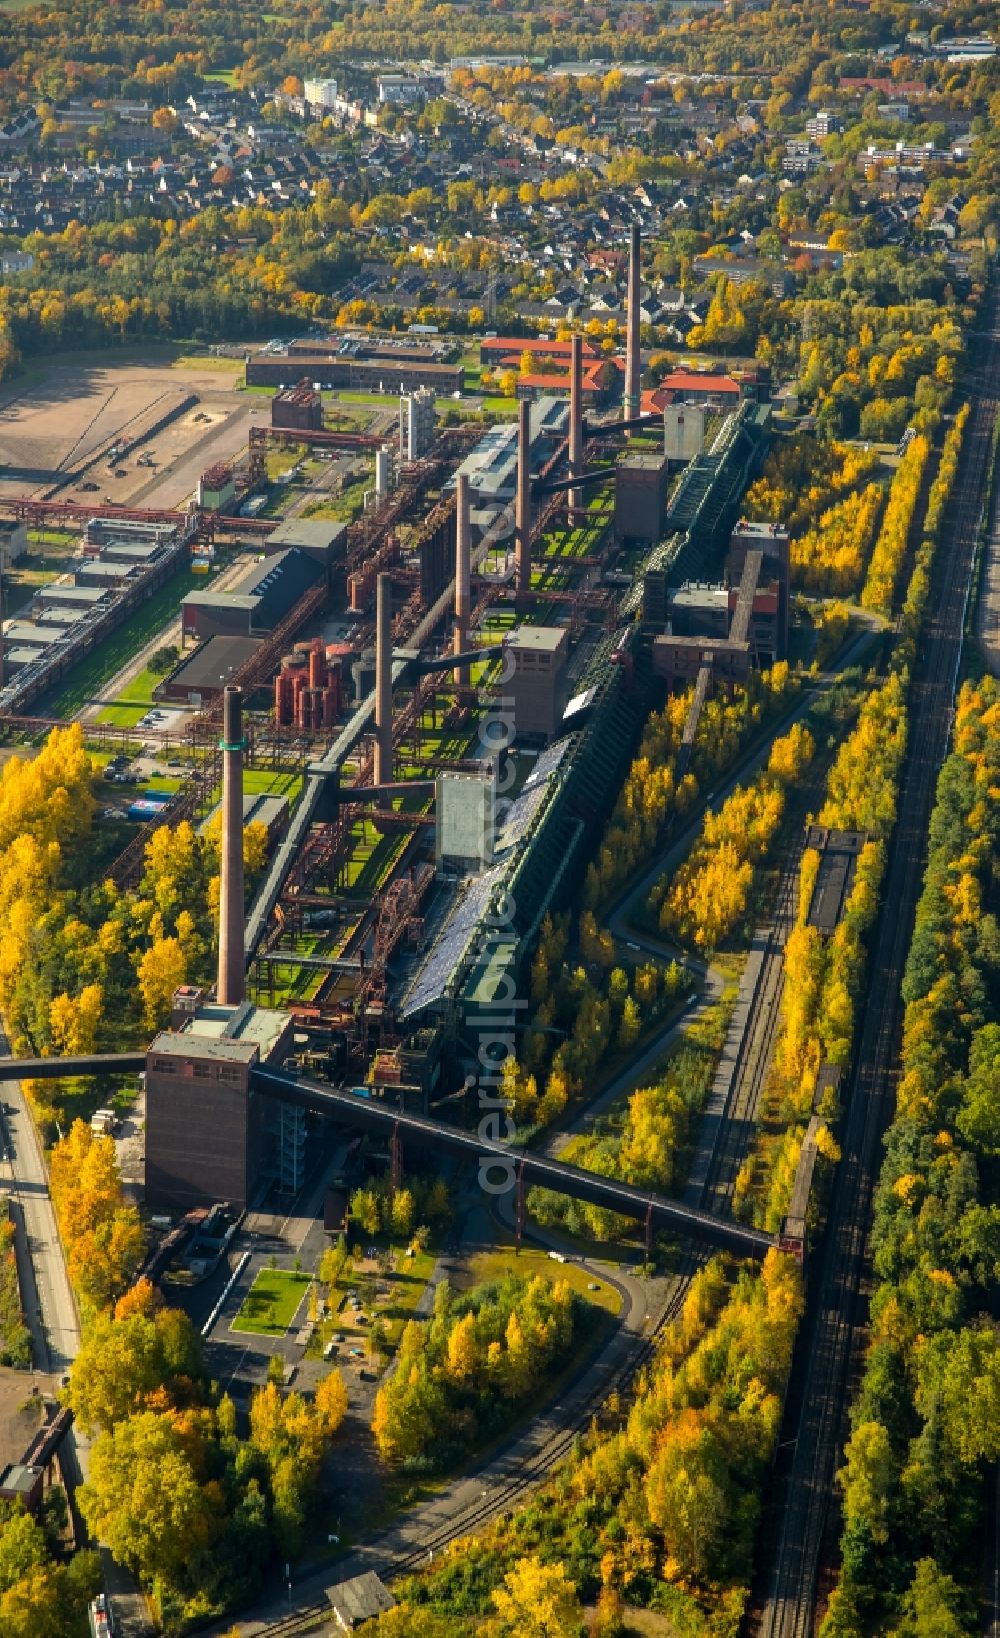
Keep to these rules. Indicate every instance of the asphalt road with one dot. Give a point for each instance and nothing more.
(50, 1308)
(49, 1305)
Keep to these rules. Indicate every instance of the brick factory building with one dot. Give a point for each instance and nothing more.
(641, 497)
(298, 409)
(333, 370)
(204, 1125)
(538, 686)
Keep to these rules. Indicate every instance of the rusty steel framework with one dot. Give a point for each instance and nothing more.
(400, 916)
(284, 437)
(36, 513)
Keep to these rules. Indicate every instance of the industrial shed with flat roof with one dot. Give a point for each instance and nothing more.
(206, 672)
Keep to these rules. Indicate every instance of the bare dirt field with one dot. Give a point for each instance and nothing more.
(68, 416)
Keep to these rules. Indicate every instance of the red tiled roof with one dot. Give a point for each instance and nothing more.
(560, 383)
(524, 344)
(692, 381)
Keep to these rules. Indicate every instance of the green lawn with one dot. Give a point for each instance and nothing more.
(101, 667)
(494, 1265)
(266, 782)
(272, 1302)
(224, 366)
(123, 716)
(381, 399)
(286, 981)
(163, 782)
(372, 855)
(343, 508)
(272, 782)
(134, 700)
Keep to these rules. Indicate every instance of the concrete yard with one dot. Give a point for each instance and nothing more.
(68, 417)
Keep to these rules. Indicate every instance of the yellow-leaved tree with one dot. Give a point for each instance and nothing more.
(162, 969)
(538, 1601)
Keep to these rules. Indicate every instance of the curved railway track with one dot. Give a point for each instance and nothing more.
(831, 1340)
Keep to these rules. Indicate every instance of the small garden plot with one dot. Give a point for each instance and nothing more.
(272, 1302)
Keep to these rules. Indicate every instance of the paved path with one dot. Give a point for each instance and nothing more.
(50, 1309)
(416, 1536)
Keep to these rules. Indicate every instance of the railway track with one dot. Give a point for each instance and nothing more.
(744, 1103)
(832, 1339)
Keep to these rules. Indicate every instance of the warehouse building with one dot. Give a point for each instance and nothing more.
(98, 572)
(257, 603)
(201, 678)
(323, 539)
(60, 595)
(328, 370)
(22, 633)
(491, 467)
(298, 409)
(64, 618)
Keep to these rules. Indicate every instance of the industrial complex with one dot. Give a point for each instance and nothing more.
(459, 676)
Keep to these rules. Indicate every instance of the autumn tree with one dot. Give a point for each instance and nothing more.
(143, 1497)
(538, 1601)
(162, 970)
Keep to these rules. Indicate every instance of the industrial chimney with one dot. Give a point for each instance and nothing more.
(633, 396)
(383, 680)
(575, 423)
(522, 503)
(231, 988)
(463, 571)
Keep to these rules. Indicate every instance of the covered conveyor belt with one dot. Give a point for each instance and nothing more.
(739, 631)
(501, 1157)
(50, 1069)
